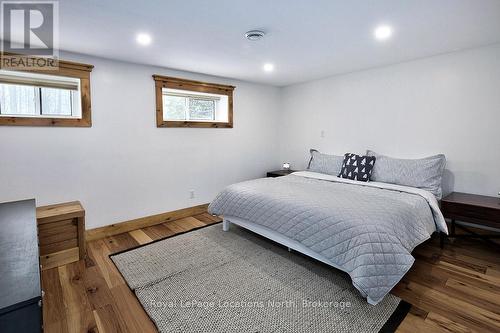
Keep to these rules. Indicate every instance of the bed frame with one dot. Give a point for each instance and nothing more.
(283, 240)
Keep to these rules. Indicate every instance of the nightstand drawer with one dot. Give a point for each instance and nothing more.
(470, 213)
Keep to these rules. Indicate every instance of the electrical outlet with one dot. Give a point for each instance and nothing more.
(191, 194)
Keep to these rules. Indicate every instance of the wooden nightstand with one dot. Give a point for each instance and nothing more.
(279, 173)
(61, 234)
(476, 209)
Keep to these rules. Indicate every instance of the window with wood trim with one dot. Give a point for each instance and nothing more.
(46, 97)
(188, 103)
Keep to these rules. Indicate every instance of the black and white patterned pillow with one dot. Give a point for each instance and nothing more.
(357, 167)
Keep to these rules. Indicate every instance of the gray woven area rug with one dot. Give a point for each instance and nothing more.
(208, 280)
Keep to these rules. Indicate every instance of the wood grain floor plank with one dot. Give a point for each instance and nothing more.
(175, 228)
(54, 312)
(78, 312)
(446, 324)
(108, 321)
(452, 290)
(158, 231)
(493, 272)
(416, 311)
(134, 316)
(207, 218)
(188, 223)
(414, 324)
(89, 259)
(96, 288)
(100, 253)
(474, 249)
(470, 263)
(473, 273)
(427, 274)
(458, 254)
(120, 242)
(140, 236)
(432, 273)
(475, 295)
(465, 291)
(203, 218)
(456, 310)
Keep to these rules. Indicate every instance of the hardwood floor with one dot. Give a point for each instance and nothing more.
(452, 290)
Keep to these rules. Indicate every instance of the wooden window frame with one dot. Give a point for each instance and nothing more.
(68, 69)
(191, 85)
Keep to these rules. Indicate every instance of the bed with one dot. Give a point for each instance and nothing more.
(367, 230)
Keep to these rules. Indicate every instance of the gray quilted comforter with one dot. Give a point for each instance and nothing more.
(365, 229)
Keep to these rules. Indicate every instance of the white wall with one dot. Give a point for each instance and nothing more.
(124, 167)
(445, 104)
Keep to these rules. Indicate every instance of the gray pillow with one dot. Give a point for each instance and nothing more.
(424, 173)
(323, 163)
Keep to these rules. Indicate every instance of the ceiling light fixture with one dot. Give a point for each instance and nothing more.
(254, 35)
(383, 32)
(268, 67)
(143, 39)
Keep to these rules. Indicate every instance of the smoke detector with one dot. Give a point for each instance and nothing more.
(254, 35)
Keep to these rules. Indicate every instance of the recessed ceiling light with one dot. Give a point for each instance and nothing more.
(383, 32)
(254, 35)
(268, 67)
(143, 39)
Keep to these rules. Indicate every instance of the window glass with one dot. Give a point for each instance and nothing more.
(174, 107)
(55, 98)
(201, 109)
(17, 100)
(56, 102)
(41, 96)
(181, 105)
(195, 104)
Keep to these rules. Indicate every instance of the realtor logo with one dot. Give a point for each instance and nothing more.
(30, 28)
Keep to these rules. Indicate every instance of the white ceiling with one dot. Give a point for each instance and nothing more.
(305, 39)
